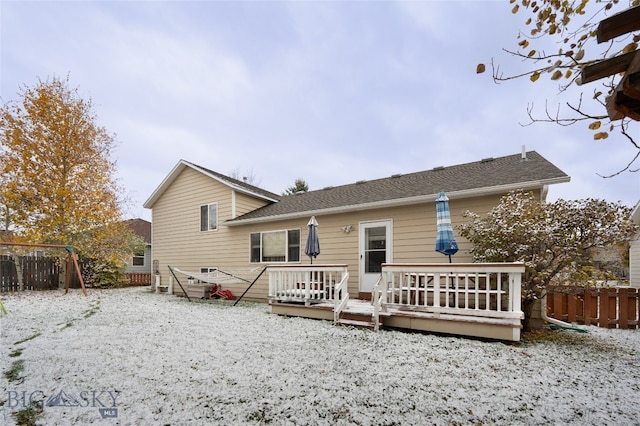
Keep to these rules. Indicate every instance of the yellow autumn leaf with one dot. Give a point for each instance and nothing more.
(534, 77)
(524, 43)
(515, 9)
(595, 125)
(630, 47)
(579, 55)
(597, 94)
(480, 69)
(533, 52)
(556, 75)
(601, 135)
(568, 74)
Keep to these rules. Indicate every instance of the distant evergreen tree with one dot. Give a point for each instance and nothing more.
(299, 186)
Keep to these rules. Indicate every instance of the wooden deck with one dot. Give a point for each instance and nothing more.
(478, 300)
(359, 314)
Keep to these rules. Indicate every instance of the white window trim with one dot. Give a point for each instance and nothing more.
(208, 217)
(286, 231)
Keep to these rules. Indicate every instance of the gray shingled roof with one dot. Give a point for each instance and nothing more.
(486, 176)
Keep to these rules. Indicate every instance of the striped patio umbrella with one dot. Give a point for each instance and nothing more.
(312, 249)
(445, 241)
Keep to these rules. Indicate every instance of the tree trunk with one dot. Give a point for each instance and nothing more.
(527, 308)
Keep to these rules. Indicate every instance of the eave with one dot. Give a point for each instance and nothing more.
(178, 168)
(462, 194)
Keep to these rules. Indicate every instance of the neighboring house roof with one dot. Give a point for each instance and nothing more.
(141, 228)
(489, 176)
(236, 184)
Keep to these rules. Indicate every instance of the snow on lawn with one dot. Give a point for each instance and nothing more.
(132, 357)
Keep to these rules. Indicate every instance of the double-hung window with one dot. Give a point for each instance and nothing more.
(209, 217)
(138, 258)
(276, 246)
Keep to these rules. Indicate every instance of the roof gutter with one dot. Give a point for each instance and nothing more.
(467, 193)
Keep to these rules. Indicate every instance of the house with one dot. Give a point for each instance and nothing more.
(203, 220)
(634, 251)
(141, 262)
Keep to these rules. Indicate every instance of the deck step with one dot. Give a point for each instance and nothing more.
(356, 323)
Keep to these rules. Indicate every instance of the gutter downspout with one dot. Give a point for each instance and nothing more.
(543, 308)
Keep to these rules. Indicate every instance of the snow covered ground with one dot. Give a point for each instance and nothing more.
(132, 357)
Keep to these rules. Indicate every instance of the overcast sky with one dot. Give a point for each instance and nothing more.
(330, 92)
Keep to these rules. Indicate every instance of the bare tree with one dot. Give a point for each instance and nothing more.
(575, 26)
(247, 176)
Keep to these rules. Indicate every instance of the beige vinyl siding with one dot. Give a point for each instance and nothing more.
(634, 262)
(414, 234)
(178, 241)
(246, 203)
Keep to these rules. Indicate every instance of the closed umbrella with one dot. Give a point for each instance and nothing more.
(312, 249)
(445, 241)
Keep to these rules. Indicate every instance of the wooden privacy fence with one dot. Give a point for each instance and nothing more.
(138, 279)
(616, 307)
(38, 273)
(47, 273)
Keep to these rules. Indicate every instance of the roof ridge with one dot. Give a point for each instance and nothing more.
(235, 181)
(417, 173)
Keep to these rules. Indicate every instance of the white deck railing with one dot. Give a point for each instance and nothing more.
(474, 289)
(481, 290)
(307, 283)
(340, 297)
(376, 299)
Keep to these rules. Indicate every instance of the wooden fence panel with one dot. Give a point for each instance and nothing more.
(8, 274)
(572, 307)
(604, 307)
(629, 299)
(590, 307)
(38, 273)
(138, 279)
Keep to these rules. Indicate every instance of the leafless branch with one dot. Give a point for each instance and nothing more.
(623, 130)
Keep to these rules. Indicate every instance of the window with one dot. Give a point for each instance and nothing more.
(138, 258)
(209, 273)
(276, 246)
(209, 217)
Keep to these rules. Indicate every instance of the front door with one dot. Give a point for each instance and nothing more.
(375, 249)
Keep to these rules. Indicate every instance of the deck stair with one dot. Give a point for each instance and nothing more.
(358, 319)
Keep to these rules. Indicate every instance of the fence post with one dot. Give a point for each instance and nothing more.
(623, 308)
(590, 307)
(572, 302)
(603, 306)
(559, 305)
